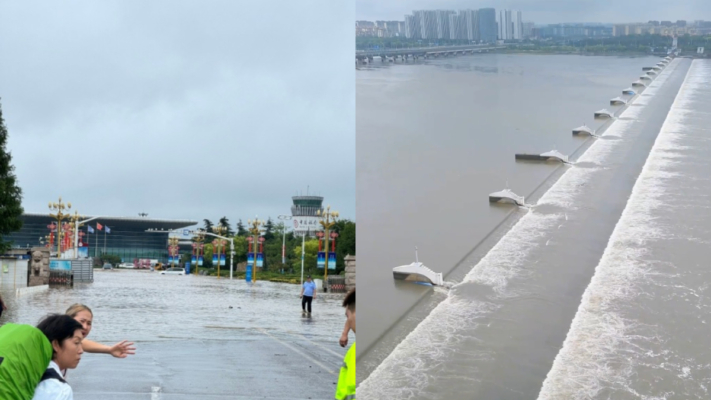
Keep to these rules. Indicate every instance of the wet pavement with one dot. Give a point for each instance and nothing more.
(191, 344)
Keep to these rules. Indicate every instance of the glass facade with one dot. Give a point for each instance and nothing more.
(128, 237)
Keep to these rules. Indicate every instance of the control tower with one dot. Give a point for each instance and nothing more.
(304, 214)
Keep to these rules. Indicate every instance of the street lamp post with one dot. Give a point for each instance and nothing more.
(173, 250)
(219, 244)
(303, 245)
(328, 219)
(76, 232)
(198, 246)
(232, 246)
(76, 224)
(255, 231)
(283, 240)
(59, 215)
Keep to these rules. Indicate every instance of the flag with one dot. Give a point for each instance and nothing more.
(108, 230)
(90, 229)
(98, 226)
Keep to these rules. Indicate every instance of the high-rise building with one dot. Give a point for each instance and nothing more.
(528, 29)
(412, 27)
(442, 23)
(487, 25)
(396, 28)
(471, 18)
(472, 25)
(517, 24)
(457, 26)
(428, 23)
(505, 25)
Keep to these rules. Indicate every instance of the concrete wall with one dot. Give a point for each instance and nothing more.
(350, 272)
(13, 273)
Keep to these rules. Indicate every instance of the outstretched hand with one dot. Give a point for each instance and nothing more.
(122, 349)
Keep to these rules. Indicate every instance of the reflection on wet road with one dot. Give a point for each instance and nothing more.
(198, 337)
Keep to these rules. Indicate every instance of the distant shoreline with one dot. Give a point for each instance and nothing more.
(581, 53)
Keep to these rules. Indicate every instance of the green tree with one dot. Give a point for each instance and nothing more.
(240, 249)
(345, 243)
(269, 229)
(207, 255)
(311, 247)
(226, 223)
(10, 193)
(111, 259)
(241, 231)
(208, 225)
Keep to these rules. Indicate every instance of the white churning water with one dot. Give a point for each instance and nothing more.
(412, 367)
(642, 328)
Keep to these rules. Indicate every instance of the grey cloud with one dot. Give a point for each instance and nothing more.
(180, 109)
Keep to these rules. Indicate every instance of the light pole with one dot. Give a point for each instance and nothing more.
(255, 231)
(219, 243)
(60, 216)
(283, 240)
(198, 247)
(232, 246)
(76, 231)
(173, 250)
(328, 219)
(76, 224)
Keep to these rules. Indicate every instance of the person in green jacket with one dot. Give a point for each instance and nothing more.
(346, 389)
(25, 353)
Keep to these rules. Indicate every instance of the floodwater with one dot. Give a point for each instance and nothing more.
(444, 135)
(204, 324)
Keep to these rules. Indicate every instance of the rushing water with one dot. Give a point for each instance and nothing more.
(642, 328)
(496, 334)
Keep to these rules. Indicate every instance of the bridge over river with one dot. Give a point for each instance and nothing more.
(423, 52)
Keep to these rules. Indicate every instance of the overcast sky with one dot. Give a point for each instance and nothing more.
(180, 109)
(548, 11)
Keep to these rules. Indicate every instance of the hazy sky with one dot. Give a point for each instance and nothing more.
(180, 109)
(548, 11)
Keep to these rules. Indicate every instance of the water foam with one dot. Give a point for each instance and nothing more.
(405, 372)
(596, 353)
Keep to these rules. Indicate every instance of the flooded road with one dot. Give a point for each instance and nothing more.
(191, 344)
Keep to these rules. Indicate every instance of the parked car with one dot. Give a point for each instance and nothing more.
(127, 265)
(173, 271)
(108, 266)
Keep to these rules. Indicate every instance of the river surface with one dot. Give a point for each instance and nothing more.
(433, 140)
(197, 337)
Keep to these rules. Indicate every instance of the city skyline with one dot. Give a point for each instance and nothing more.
(548, 11)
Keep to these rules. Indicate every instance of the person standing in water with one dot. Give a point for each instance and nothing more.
(308, 293)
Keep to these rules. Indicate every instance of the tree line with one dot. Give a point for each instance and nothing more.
(276, 234)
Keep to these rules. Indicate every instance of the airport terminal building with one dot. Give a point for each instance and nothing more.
(127, 237)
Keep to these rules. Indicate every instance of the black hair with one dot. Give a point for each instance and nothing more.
(58, 327)
(349, 301)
